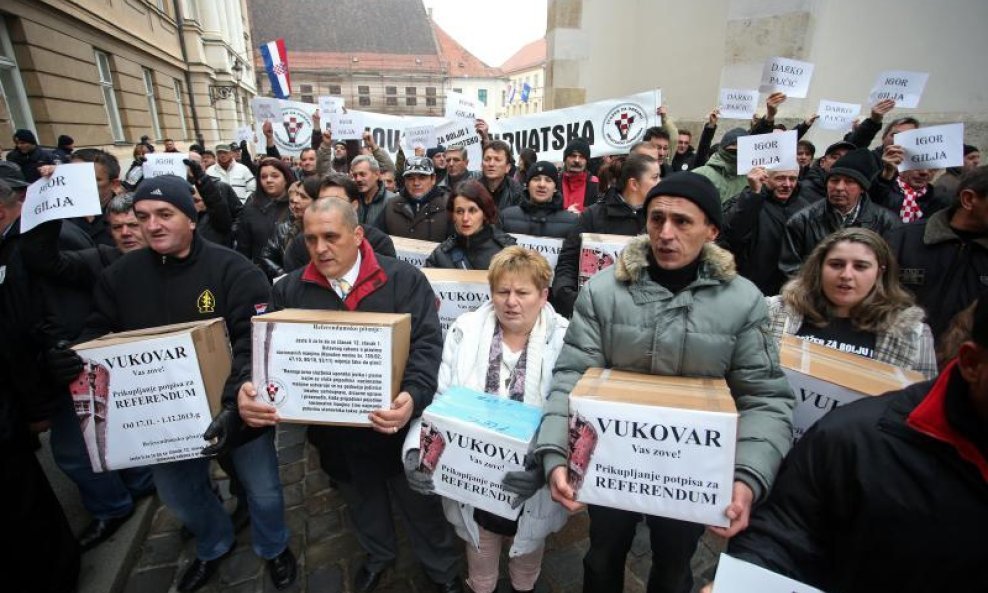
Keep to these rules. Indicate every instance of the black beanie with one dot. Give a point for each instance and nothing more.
(578, 145)
(731, 137)
(168, 188)
(693, 187)
(432, 152)
(858, 164)
(542, 168)
(25, 136)
(64, 140)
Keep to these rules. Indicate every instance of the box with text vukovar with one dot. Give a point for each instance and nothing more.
(470, 440)
(329, 367)
(413, 251)
(147, 396)
(457, 292)
(653, 444)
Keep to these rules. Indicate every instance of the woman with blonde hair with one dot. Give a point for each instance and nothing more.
(847, 296)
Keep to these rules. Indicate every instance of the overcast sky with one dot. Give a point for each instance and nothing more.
(493, 30)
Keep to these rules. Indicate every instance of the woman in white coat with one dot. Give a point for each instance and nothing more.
(507, 347)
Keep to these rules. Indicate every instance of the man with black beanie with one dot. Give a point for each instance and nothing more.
(580, 187)
(28, 155)
(438, 156)
(847, 205)
(672, 305)
(66, 145)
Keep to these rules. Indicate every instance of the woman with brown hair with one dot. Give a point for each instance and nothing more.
(475, 238)
(299, 198)
(265, 208)
(847, 296)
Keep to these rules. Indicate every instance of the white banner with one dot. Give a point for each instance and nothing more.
(424, 135)
(164, 163)
(69, 192)
(775, 152)
(791, 77)
(738, 576)
(738, 103)
(328, 105)
(292, 124)
(347, 126)
(903, 87)
(462, 132)
(933, 147)
(459, 107)
(265, 108)
(837, 116)
(612, 126)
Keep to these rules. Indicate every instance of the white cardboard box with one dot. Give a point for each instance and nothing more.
(413, 251)
(823, 379)
(147, 396)
(457, 292)
(738, 576)
(470, 440)
(598, 252)
(329, 367)
(547, 247)
(653, 444)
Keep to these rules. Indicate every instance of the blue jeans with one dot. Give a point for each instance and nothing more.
(106, 495)
(185, 488)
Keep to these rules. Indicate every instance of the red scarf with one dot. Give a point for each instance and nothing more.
(370, 278)
(574, 189)
(910, 209)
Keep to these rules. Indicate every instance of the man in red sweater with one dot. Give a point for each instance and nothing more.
(579, 186)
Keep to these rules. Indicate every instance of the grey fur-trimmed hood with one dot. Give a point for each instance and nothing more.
(718, 262)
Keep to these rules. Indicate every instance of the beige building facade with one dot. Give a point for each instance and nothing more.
(107, 72)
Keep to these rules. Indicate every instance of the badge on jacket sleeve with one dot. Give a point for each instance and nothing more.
(206, 302)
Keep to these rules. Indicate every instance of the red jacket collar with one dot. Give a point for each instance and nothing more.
(930, 418)
(370, 278)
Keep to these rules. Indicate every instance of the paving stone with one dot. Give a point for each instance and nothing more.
(292, 472)
(164, 521)
(333, 550)
(320, 504)
(294, 495)
(161, 549)
(290, 435)
(245, 587)
(325, 579)
(239, 567)
(291, 454)
(322, 526)
(316, 482)
(154, 580)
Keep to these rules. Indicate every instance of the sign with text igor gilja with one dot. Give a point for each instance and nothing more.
(903, 87)
(157, 164)
(69, 192)
(328, 367)
(653, 444)
(933, 147)
(147, 396)
(458, 106)
(347, 126)
(457, 292)
(784, 75)
(738, 103)
(738, 576)
(775, 152)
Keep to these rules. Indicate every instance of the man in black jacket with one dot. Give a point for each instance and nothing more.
(888, 493)
(755, 225)
(495, 170)
(344, 274)
(366, 173)
(813, 185)
(419, 211)
(28, 155)
(619, 213)
(180, 277)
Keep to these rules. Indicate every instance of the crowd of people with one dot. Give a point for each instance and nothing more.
(844, 251)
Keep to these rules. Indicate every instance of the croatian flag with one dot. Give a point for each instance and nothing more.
(526, 89)
(276, 64)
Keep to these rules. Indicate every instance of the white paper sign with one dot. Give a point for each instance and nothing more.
(738, 103)
(547, 247)
(738, 576)
(791, 77)
(424, 135)
(265, 109)
(292, 125)
(462, 133)
(69, 192)
(814, 399)
(131, 418)
(311, 372)
(837, 116)
(934, 147)
(157, 164)
(459, 107)
(328, 105)
(457, 298)
(903, 87)
(245, 134)
(347, 126)
(775, 152)
(413, 251)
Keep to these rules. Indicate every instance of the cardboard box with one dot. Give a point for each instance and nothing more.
(738, 576)
(653, 444)
(598, 252)
(824, 378)
(470, 440)
(329, 367)
(413, 251)
(548, 247)
(147, 396)
(457, 292)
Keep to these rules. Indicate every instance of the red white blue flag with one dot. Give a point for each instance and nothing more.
(276, 64)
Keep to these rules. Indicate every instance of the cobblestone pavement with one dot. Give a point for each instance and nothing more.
(328, 552)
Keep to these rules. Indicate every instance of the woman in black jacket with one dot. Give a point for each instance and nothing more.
(273, 253)
(475, 239)
(541, 211)
(267, 207)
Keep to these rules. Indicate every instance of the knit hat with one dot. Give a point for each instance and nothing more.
(693, 187)
(731, 137)
(419, 165)
(168, 188)
(12, 175)
(843, 144)
(858, 164)
(542, 168)
(968, 149)
(432, 152)
(64, 140)
(578, 145)
(25, 136)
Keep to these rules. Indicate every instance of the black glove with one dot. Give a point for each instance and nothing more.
(223, 428)
(418, 480)
(64, 363)
(525, 483)
(196, 170)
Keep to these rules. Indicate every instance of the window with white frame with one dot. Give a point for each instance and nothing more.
(109, 96)
(179, 94)
(152, 103)
(13, 99)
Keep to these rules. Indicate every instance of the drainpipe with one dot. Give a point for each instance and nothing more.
(180, 23)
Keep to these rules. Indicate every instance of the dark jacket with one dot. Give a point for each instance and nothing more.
(893, 196)
(97, 229)
(470, 253)
(257, 223)
(506, 195)
(813, 186)
(272, 260)
(682, 162)
(368, 213)
(297, 256)
(424, 219)
(612, 216)
(875, 498)
(810, 225)
(546, 219)
(29, 162)
(216, 221)
(947, 183)
(144, 289)
(384, 285)
(944, 271)
(450, 183)
(754, 230)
